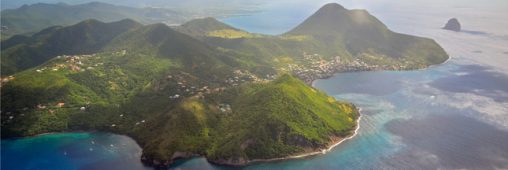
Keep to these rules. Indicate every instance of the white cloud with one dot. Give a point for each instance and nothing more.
(489, 110)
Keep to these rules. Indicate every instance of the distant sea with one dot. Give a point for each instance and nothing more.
(449, 116)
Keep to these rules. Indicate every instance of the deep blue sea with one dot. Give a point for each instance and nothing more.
(449, 116)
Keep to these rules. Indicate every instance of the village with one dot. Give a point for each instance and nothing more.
(181, 85)
(6, 79)
(75, 63)
(78, 63)
(315, 67)
(177, 84)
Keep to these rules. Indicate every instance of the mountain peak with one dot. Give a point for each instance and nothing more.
(208, 22)
(91, 21)
(86, 37)
(94, 23)
(332, 6)
(156, 33)
(128, 21)
(334, 19)
(331, 9)
(202, 26)
(158, 26)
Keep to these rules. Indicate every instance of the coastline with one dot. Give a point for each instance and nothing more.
(312, 83)
(334, 142)
(305, 155)
(53, 133)
(324, 151)
(446, 61)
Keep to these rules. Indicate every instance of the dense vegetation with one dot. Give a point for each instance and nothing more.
(278, 119)
(331, 31)
(359, 33)
(129, 86)
(203, 88)
(87, 37)
(33, 18)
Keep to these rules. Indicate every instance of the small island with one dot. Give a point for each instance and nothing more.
(203, 88)
(453, 25)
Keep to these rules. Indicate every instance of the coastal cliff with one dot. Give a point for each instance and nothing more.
(273, 121)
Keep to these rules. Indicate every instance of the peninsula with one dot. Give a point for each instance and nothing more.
(203, 88)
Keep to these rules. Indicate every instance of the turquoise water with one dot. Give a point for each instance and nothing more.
(71, 151)
(449, 116)
(392, 103)
(407, 123)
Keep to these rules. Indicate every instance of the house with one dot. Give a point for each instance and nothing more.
(40, 106)
(175, 96)
(60, 104)
(75, 68)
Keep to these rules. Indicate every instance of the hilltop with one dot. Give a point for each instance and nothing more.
(347, 40)
(35, 17)
(242, 127)
(90, 36)
(356, 39)
(203, 27)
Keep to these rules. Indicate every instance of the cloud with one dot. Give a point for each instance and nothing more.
(450, 141)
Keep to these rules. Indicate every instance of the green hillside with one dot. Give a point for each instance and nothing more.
(202, 27)
(360, 34)
(354, 37)
(175, 95)
(332, 31)
(277, 119)
(33, 18)
(203, 88)
(89, 36)
(120, 93)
